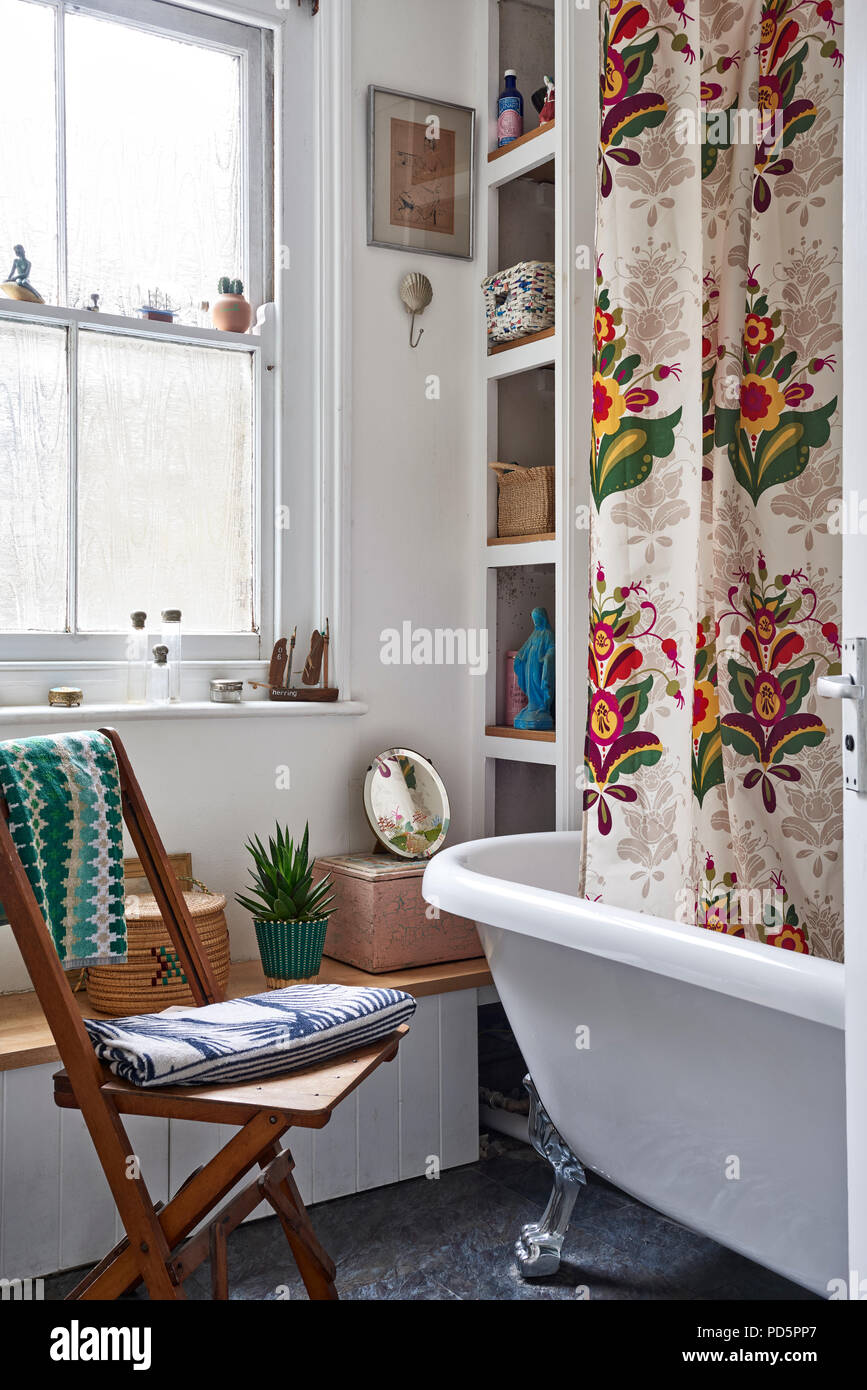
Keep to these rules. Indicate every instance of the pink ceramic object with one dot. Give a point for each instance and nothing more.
(514, 700)
(381, 921)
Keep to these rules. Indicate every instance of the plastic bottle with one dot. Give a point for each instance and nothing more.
(137, 659)
(171, 637)
(510, 111)
(158, 677)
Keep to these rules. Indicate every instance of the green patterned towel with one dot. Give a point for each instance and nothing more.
(65, 817)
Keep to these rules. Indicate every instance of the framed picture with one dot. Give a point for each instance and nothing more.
(421, 174)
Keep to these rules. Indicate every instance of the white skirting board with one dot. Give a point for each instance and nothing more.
(56, 1211)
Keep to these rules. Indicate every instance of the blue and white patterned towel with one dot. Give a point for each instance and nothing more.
(248, 1039)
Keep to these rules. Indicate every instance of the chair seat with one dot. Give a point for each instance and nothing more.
(248, 1039)
(304, 1098)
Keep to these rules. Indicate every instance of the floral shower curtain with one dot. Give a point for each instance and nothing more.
(713, 788)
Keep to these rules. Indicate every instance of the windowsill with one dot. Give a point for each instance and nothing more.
(94, 714)
(130, 327)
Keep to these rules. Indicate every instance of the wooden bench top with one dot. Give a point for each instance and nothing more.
(26, 1041)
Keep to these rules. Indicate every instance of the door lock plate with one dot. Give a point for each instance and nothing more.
(854, 728)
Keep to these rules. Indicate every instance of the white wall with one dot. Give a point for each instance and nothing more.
(412, 457)
(209, 784)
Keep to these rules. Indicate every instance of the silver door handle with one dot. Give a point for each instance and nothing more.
(839, 688)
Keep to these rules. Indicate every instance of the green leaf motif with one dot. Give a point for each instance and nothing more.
(781, 454)
(741, 685)
(637, 63)
(795, 685)
(707, 765)
(633, 701)
(712, 148)
(625, 459)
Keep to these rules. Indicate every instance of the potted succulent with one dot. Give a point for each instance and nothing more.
(290, 911)
(231, 311)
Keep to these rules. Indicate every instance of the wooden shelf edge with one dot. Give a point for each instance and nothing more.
(531, 735)
(521, 140)
(522, 342)
(522, 540)
(26, 1041)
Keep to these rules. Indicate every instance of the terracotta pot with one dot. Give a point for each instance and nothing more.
(232, 313)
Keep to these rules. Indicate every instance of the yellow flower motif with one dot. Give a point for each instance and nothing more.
(762, 403)
(608, 405)
(705, 708)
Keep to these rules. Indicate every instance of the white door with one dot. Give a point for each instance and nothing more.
(855, 621)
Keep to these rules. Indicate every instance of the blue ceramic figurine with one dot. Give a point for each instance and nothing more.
(534, 672)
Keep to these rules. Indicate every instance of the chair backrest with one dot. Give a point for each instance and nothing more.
(37, 946)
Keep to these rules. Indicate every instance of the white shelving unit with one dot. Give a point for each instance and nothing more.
(537, 202)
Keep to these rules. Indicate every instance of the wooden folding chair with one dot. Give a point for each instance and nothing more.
(158, 1248)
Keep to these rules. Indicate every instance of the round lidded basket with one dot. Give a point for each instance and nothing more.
(152, 978)
(291, 952)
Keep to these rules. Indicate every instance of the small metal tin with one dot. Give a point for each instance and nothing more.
(67, 696)
(225, 692)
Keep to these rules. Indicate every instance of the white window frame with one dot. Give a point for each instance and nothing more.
(253, 45)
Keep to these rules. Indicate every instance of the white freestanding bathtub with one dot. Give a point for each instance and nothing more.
(701, 1073)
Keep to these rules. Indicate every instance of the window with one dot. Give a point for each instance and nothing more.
(135, 164)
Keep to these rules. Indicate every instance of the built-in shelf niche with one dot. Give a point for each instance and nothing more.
(526, 204)
(519, 589)
(526, 425)
(527, 43)
(524, 797)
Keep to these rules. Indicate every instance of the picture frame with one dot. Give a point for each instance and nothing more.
(421, 185)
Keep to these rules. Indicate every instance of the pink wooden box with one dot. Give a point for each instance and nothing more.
(382, 922)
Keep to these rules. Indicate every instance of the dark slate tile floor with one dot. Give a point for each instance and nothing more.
(452, 1239)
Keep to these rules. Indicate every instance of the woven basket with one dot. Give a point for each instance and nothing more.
(152, 978)
(291, 952)
(519, 301)
(525, 502)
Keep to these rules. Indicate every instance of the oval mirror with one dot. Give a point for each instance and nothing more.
(406, 804)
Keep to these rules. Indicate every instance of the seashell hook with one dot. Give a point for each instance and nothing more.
(416, 293)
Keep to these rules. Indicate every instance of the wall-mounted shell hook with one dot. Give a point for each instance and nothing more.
(416, 291)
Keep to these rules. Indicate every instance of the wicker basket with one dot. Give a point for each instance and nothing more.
(519, 301)
(152, 978)
(525, 502)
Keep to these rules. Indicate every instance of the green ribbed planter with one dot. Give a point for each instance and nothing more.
(291, 952)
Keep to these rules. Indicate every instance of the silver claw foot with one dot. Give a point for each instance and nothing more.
(538, 1247)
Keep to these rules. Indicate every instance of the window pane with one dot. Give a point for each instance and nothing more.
(33, 445)
(165, 484)
(153, 167)
(28, 148)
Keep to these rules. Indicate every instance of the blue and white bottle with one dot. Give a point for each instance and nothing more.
(510, 111)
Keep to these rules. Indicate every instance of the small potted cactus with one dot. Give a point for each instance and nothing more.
(290, 911)
(231, 312)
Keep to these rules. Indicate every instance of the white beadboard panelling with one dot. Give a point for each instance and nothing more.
(419, 1112)
(87, 1210)
(149, 1141)
(335, 1153)
(300, 1141)
(56, 1211)
(31, 1174)
(378, 1136)
(459, 1080)
(191, 1145)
